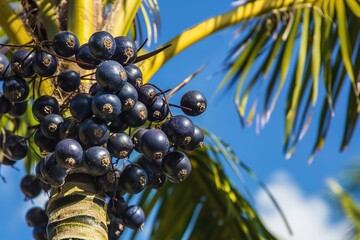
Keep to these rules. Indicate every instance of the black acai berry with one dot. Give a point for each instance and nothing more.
(133, 179)
(126, 50)
(193, 103)
(176, 165)
(65, 44)
(4, 66)
(15, 88)
(80, 106)
(69, 80)
(15, 147)
(120, 145)
(30, 186)
(68, 153)
(97, 161)
(50, 125)
(22, 62)
(134, 217)
(134, 75)
(128, 96)
(45, 64)
(110, 75)
(102, 45)
(45, 105)
(137, 115)
(154, 144)
(18, 109)
(93, 132)
(179, 129)
(35, 216)
(106, 106)
(85, 59)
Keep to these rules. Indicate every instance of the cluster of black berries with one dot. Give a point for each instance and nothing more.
(89, 132)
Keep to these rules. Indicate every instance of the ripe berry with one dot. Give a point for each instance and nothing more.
(22, 63)
(44, 144)
(126, 50)
(134, 75)
(16, 89)
(45, 64)
(68, 153)
(35, 216)
(194, 102)
(120, 145)
(118, 124)
(15, 147)
(85, 59)
(110, 75)
(80, 106)
(156, 176)
(5, 104)
(30, 186)
(134, 217)
(196, 140)
(94, 89)
(136, 139)
(115, 228)
(102, 45)
(45, 105)
(154, 144)
(18, 109)
(179, 129)
(39, 232)
(69, 129)
(69, 80)
(137, 115)
(117, 206)
(176, 165)
(50, 125)
(97, 161)
(128, 96)
(93, 132)
(147, 94)
(65, 44)
(133, 179)
(50, 172)
(158, 111)
(106, 106)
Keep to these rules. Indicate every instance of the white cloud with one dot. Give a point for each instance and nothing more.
(308, 216)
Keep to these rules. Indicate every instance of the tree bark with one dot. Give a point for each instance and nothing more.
(77, 210)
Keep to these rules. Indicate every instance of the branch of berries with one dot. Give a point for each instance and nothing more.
(88, 132)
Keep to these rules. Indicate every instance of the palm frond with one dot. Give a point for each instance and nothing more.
(306, 44)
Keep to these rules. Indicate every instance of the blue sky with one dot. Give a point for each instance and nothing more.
(296, 184)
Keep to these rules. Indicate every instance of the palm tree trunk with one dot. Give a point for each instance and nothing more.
(77, 210)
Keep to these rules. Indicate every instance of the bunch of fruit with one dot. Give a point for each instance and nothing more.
(90, 129)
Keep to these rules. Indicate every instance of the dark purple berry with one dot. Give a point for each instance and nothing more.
(126, 50)
(39, 232)
(134, 75)
(35, 216)
(147, 94)
(120, 145)
(45, 105)
(85, 59)
(110, 75)
(4, 66)
(179, 129)
(5, 104)
(158, 111)
(65, 44)
(16, 89)
(134, 217)
(136, 139)
(30, 186)
(102, 45)
(50, 172)
(15, 147)
(93, 132)
(137, 115)
(133, 179)
(69, 80)
(18, 109)
(176, 165)
(97, 161)
(154, 144)
(69, 129)
(128, 96)
(193, 102)
(68, 153)
(44, 144)
(45, 64)
(106, 106)
(50, 125)
(196, 140)
(22, 62)
(80, 106)
(156, 177)
(94, 89)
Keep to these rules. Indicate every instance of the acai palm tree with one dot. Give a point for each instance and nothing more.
(313, 44)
